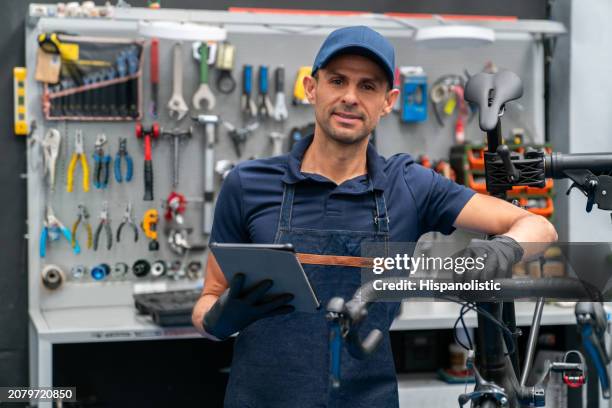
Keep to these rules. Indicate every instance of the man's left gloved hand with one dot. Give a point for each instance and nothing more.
(498, 255)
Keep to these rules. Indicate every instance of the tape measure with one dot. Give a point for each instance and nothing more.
(19, 90)
(50, 43)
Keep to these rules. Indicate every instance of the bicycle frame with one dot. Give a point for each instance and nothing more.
(497, 375)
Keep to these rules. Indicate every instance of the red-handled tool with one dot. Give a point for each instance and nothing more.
(147, 133)
(154, 76)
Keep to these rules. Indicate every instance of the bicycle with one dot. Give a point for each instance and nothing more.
(499, 380)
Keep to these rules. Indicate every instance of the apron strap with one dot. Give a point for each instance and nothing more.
(381, 219)
(284, 221)
(334, 260)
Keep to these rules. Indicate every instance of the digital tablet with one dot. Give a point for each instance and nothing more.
(261, 261)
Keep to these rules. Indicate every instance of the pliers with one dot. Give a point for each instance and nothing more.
(264, 107)
(83, 217)
(51, 230)
(128, 219)
(102, 163)
(249, 108)
(50, 144)
(77, 155)
(122, 152)
(104, 224)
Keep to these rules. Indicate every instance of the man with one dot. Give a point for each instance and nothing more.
(332, 193)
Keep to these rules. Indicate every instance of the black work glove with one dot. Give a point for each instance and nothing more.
(498, 256)
(236, 308)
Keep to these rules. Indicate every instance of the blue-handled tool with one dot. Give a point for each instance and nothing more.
(129, 163)
(52, 230)
(102, 163)
(249, 108)
(264, 108)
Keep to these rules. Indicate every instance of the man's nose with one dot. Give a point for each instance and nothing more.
(350, 96)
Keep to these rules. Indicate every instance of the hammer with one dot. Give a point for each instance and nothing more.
(176, 135)
(210, 123)
(147, 133)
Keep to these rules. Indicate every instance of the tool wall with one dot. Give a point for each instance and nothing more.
(110, 274)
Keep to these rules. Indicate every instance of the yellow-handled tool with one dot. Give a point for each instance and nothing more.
(78, 154)
(299, 94)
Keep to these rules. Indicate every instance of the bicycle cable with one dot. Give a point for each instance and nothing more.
(470, 306)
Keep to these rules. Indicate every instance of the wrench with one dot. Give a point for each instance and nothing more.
(204, 93)
(176, 106)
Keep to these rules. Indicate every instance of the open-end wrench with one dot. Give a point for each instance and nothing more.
(177, 107)
(203, 93)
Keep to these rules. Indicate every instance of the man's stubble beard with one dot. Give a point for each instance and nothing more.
(339, 138)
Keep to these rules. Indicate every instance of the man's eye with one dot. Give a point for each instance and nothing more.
(368, 87)
(336, 81)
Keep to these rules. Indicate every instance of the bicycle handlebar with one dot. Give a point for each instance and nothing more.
(556, 164)
(356, 309)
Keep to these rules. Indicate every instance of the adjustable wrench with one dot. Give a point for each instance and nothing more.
(203, 93)
(176, 106)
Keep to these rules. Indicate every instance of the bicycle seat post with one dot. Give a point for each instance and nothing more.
(490, 93)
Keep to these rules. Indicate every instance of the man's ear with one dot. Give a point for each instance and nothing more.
(310, 85)
(390, 100)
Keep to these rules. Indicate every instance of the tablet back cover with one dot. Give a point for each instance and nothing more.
(282, 267)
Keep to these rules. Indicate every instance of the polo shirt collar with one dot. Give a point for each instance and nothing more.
(375, 164)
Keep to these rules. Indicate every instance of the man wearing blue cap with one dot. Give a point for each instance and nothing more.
(329, 195)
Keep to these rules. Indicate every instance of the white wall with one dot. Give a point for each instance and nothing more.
(590, 113)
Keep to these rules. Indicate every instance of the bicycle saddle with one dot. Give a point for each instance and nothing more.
(490, 92)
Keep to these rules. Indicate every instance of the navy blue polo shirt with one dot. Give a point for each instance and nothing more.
(418, 199)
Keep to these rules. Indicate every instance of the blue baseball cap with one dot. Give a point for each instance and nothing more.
(359, 40)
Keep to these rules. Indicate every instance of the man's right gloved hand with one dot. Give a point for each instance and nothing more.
(236, 308)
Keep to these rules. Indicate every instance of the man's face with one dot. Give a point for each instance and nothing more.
(349, 95)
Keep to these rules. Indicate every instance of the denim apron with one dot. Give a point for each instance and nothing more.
(283, 361)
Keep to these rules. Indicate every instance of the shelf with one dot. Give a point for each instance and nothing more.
(425, 389)
(442, 315)
(122, 323)
(109, 323)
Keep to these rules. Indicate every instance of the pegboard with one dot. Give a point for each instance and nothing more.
(272, 40)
